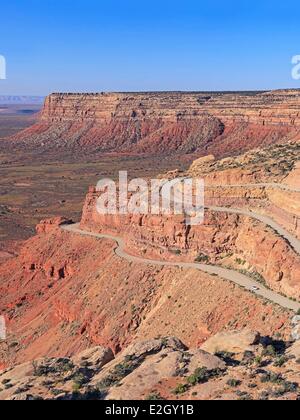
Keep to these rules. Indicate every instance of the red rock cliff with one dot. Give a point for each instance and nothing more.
(166, 122)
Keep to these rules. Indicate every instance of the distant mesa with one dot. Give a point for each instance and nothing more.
(22, 100)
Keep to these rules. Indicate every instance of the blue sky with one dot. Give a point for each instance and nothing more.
(130, 45)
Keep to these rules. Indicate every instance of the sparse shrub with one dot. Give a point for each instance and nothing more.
(245, 397)
(40, 370)
(258, 360)
(56, 392)
(248, 358)
(285, 388)
(175, 251)
(202, 258)
(199, 376)
(59, 367)
(234, 383)
(269, 351)
(63, 366)
(120, 372)
(164, 341)
(154, 396)
(181, 389)
(76, 387)
(272, 377)
(79, 380)
(90, 394)
(202, 375)
(5, 381)
(280, 361)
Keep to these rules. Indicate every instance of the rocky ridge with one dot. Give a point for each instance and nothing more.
(250, 367)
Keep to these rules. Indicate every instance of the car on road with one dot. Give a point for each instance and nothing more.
(255, 288)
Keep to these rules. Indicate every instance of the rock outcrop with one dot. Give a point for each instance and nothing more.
(160, 369)
(48, 225)
(232, 342)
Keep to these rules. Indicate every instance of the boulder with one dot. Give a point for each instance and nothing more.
(200, 358)
(232, 342)
(97, 357)
(146, 377)
(199, 163)
(153, 346)
(294, 351)
(296, 320)
(296, 333)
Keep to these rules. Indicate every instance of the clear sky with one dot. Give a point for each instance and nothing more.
(133, 45)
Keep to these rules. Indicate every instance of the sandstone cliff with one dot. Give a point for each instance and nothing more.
(165, 122)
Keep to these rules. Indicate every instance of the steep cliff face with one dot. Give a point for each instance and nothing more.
(165, 122)
(262, 108)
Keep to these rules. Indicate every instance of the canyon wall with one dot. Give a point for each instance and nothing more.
(279, 108)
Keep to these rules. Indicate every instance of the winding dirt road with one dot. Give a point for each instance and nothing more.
(294, 242)
(224, 273)
(272, 185)
(227, 274)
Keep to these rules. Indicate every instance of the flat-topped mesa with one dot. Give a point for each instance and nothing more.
(278, 107)
(163, 123)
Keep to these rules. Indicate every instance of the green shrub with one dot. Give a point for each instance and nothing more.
(154, 396)
(269, 351)
(79, 380)
(272, 377)
(280, 361)
(76, 387)
(285, 388)
(120, 372)
(202, 375)
(234, 383)
(202, 258)
(181, 389)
